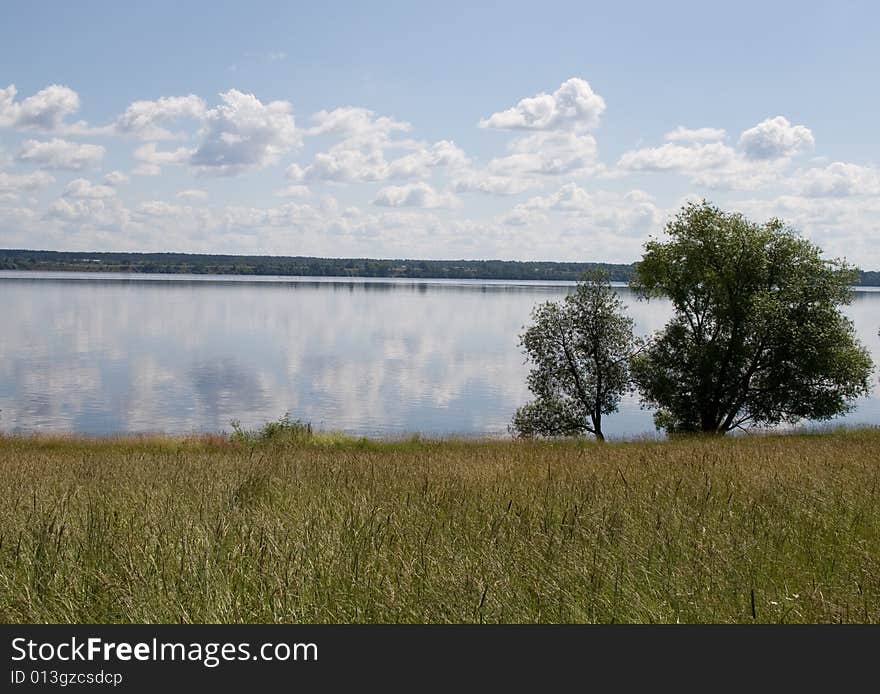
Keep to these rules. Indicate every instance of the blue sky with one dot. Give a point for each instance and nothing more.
(506, 130)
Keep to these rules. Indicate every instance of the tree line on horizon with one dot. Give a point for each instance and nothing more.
(307, 266)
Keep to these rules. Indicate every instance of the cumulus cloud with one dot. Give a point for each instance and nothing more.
(17, 183)
(159, 208)
(143, 118)
(16, 218)
(8, 106)
(550, 138)
(45, 110)
(673, 157)
(294, 191)
(414, 195)
(632, 213)
(346, 162)
(421, 162)
(82, 188)
(354, 122)
(682, 134)
(539, 154)
(107, 213)
(761, 160)
(478, 181)
(60, 154)
(116, 178)
(243, 134)
(841, 226)
(192, 194)
(709, 164)
(838, 179)
(775, 138)
(548, 153)
(742, 174)
(574, 106)
(361, 155)
(151, 160)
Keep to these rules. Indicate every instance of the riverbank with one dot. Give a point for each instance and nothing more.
(322, 528)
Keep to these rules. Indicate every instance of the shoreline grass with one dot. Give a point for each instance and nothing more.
(327, 528)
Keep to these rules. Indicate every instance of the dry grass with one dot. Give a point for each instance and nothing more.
(150, 529)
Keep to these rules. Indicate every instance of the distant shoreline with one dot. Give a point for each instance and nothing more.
(308, 266)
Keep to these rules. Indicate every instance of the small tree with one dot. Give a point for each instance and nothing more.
(757, 337)
(579, 349)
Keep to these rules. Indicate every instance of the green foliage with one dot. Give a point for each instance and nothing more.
(283, 430)
(757, 337)
(579, 349)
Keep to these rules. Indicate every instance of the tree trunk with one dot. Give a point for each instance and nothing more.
(597, 427)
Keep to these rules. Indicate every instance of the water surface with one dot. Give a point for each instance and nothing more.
(109, 353)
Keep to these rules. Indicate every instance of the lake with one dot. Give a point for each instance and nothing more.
(111, 353)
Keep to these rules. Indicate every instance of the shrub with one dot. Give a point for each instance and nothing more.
(282, 430)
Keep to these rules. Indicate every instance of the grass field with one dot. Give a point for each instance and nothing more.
(325, 529)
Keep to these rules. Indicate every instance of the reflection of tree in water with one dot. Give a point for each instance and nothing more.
(224, 388)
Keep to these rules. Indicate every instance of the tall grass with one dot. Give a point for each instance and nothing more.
(325, 529)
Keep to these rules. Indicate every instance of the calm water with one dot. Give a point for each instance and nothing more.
(132, 353)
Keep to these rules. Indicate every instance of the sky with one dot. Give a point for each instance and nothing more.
(524, 131)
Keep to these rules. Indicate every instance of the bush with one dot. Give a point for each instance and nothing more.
(283, 430)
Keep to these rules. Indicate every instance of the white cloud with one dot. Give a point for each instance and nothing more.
(115, 178)
(17, 183)
(192, 194)
(152, 160)
(14, 219)
(354, 122)
(142, 118)
(159, 208)
(346, 162)
(764, 155)
(838, 179)
(60, 154)
(682, 134)
(82, 188)
(574, 106)
(531, 156)
(414, 195)
(842, 227)
(742, 174)
(834, 203)
(243, 134)
(548, 153)
(294, 191)
(8, 107)
(709, 165)
(44, 110)
(673, 157)
(421, 162)
(475, 181)
(775, 138)
(630, 214)
(106, 213)
(360, 156)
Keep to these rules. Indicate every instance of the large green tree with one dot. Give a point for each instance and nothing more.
(579, 349)
(757, 336)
